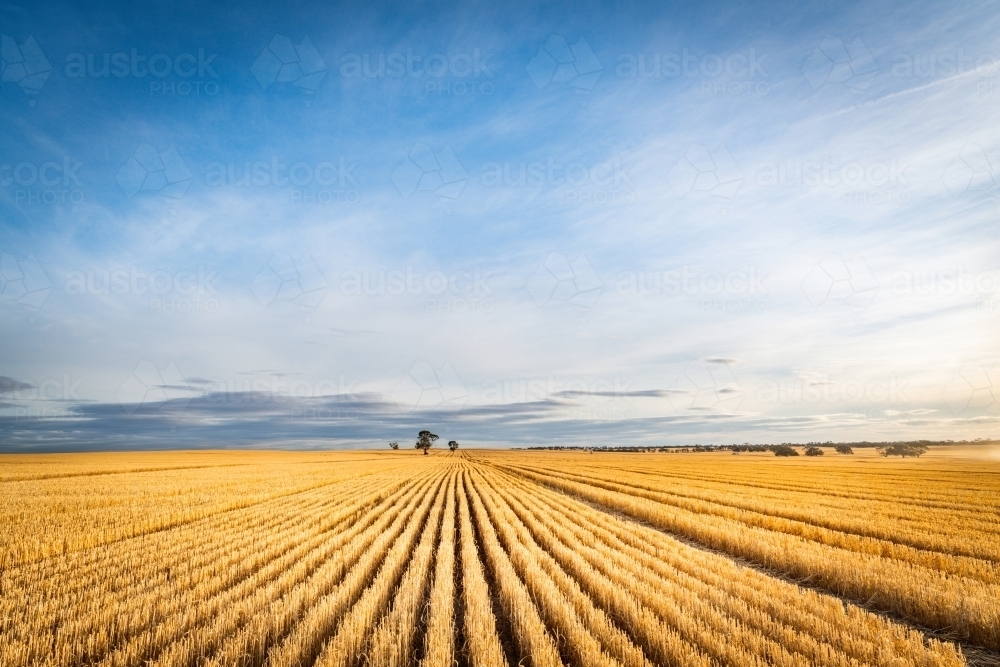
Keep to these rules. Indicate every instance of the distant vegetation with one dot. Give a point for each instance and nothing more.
(903, 450)
(885, 448)
(814, 451)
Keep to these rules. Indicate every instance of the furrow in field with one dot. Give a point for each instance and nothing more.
(393, 641)
(183, 558)
(149, 613)
(557, 608)
(345, 648)
(321, 620)
(963, 606)
(482, 647)
(815, 626)
(983, 571)
(439, 637)
(530, 633)
(249, 621)
(968, 512)
(28, 551)
(906, 531)
(696, 621)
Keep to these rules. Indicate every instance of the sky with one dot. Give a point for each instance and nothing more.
(332, 225)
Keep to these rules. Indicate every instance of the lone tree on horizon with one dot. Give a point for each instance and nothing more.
(425, 440)
(452, 445)
(393, 445)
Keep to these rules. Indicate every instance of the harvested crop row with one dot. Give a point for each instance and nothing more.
(308, 624)
(394, 638)
(118, 610)
(802, 621)
(984, 571)
(344, 649)
(532, 636)
(697, 622)
(152, 614)
(97, 622)
(959, 605)
(482, 648)
(129, 510)
(941, 528)
(961, 554)
(557, 606)
(80, 569)
(282, 590)
(439, 640)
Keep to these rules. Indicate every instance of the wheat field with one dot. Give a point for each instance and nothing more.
(497, 558)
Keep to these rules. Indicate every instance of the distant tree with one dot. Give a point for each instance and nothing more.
(393, 445)
(903, 450)
(452, 445)
(425, 440)
(814, 451)
(844, 449)
(784, 450)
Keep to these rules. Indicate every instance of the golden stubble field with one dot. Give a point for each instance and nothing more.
(499, 558)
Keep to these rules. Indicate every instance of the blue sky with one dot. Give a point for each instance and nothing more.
(332, 225)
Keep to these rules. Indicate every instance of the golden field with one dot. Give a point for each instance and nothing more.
(498, 558)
